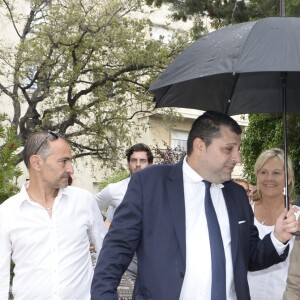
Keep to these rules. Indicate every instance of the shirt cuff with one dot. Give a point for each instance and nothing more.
(279, 246)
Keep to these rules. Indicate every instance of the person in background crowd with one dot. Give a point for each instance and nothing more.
(166, 217)
(292, 291)
(251, 193)
(46, 228)
(267, 207)
(139, 156)
(244, 183)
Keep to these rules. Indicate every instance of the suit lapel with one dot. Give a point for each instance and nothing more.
(177, 205)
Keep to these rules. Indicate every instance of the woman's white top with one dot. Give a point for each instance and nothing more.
(269, 283)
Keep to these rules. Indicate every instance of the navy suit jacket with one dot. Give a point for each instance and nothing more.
(151, 221)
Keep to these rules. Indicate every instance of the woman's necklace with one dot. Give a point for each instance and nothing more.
(267, 217)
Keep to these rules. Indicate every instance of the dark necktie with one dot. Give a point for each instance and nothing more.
(218, 262)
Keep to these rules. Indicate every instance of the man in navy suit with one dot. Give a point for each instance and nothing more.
(162, 217)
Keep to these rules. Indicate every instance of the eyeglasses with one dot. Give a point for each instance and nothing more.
(50, 135)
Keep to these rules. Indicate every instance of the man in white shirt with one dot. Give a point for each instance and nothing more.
(138, 156)
(164, 218)
(46, 228)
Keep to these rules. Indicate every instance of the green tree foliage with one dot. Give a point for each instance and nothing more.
(8, 161)
(266, 131)
(225, 12)
(81, 68)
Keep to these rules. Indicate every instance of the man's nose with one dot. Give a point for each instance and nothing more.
(70, 168)
(237, 157)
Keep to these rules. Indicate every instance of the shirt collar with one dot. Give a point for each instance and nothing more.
(25, 197)
(192, 176)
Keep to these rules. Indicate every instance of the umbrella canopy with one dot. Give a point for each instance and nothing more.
(251, 67)
(237, 69)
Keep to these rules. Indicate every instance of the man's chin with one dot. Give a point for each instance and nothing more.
(226, 177)
(64, 182)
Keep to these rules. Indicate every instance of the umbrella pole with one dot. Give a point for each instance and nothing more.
(286, 194)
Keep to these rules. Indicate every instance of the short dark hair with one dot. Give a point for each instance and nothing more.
(140, 147)
(37, 142)
(207, 127)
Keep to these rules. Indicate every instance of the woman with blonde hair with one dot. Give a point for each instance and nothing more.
(267, 205)
(277, 154)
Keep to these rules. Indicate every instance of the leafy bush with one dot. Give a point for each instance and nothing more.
(8, 161)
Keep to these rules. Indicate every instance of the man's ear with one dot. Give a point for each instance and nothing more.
(35, 162)
(198, 145)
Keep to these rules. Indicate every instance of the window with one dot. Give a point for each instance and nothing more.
(179, 139)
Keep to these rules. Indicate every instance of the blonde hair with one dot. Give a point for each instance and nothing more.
(266, 156)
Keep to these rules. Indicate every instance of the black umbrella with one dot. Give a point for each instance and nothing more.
(251, 67)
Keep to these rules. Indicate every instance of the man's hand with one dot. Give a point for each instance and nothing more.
(92, 248)
(286, 224)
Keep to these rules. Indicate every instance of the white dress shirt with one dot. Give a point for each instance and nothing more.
(111, 197)
(198, 276)
(51, 255)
